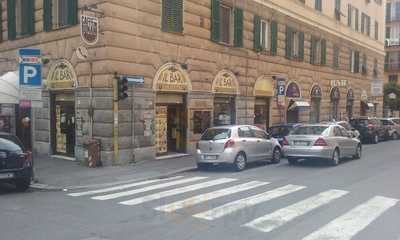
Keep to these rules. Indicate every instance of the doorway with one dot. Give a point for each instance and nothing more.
(262, 113)
(292, 115)
(63, 124)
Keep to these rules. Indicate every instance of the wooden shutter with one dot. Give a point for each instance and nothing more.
(238, 28)
(349, 15)
(357, 62)
(313, 49)
(72, 12)
(301, 46)
(11, 21)
(257, 33)
(172, 15)
(289, 41)
(215, 21)
(356, 19)
(1, 21)
(47, 15)
(323, 52)
(335, 57)
(274, 38)
(29, 20)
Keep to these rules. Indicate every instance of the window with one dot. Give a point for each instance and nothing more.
(225, 26)
(376, 30)
(388, 11)
(349, 15)
(172, 15)
(294, 44)
(393, 78)
(265, 35)
(337, 9)
(318, 51)
(21, 18)
(375, 71)
(356, 17)
(59, 14)
(1, 27)
(352, 17)
(318, 5)
(336, 53)
(365, 24)
(354, 61)
(364, 64)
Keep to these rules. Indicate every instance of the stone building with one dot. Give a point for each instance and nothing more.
(204, 63)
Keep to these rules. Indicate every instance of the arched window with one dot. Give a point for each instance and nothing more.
(335, 98)
(350, 103)
(316, 95)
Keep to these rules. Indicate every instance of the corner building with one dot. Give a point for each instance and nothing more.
(204, 63)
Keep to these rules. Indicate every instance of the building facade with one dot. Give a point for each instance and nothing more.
(204, 63)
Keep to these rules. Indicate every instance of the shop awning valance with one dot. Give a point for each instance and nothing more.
(370, 105)
(299, 105)
(9, 88)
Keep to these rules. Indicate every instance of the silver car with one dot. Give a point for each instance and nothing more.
(236, 145)
(330, 142)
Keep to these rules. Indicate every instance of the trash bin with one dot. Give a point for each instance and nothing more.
(92, 153)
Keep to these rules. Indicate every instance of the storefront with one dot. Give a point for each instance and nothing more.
(225, 89)
(315, 111)
(263, 92)
(171, 85)
(296, 105)
(61, 82)
(350, 103)
(335, 99)
(366, 106)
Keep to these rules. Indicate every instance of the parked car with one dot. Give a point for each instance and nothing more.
(281, 131)
(236, 145)
(371, 129)
(395, 120)
(15, 162)
(330, 142)
(354, 132)
(393, 129)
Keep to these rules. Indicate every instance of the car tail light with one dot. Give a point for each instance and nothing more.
(230, 143)
(370, 126)
(285, 142)
(320, 143)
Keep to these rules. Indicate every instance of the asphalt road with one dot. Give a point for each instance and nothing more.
(358, 200)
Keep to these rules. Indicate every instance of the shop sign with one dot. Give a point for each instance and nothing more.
(171, 79)
(293, 91)
(339, 83)
(316, 92)
(89, 29)
(225, 82)
(377, 88)
(61, 76)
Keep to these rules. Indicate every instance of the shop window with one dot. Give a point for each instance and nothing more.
(21, 18)
(59, 14)
(201, 121)
(172, 15)
(224, 111)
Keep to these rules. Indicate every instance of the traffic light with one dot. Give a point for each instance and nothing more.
(122, 88)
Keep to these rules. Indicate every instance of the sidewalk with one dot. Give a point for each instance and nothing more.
(58, 174)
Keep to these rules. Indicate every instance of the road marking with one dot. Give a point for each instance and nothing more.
(247, 202)
(177, 191)
(278, 218)
(352, 222)
(209, 196)
(146, 189)
(122, 187)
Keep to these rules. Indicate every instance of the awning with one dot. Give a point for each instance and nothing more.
(370, 105)
(9, 88)
(299, 105)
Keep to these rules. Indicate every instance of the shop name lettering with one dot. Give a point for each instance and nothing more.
(61, 75)
(172, 79)
(338, 83)
(225, 82)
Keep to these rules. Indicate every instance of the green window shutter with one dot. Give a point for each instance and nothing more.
(289, 42)
(238, 28)
(356, 20)
(257, 33)
(11, 25)
(349, 15)
(337, 9)
(323, 52)
(313, 49)
(166, 11)
(274, 38)
(301, 46)
(73, 12)
(351, 62)
(179, 16)
(1, 22)
(172, 15)
(47, 15)
(357, 62)
(336, 57)
(215, 21)
(29, 20)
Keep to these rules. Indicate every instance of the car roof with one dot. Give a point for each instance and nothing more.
(231, 126)
(287, 125)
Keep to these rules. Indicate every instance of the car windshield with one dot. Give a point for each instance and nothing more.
(6, 144)
(279, 131)
(216, 134)
(309, 130)
(397, 121)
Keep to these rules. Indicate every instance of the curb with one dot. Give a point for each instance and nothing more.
(46, 187)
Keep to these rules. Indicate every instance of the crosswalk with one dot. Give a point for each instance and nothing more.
(234, 196)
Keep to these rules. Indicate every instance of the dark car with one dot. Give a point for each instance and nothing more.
(15, 162)
(371, 129)
(279, 132)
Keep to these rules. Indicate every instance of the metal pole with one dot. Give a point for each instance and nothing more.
(116, 120)
(91, 110)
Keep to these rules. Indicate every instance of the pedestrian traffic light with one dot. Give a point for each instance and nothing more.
(122, 88)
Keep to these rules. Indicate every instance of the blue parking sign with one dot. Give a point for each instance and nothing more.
(30, 67)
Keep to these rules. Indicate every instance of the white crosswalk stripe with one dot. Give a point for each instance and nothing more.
(177, 191)
(247, 202)
(348, 225)
(278, 218)
(146, 189)
(209, 196)
(122, 187)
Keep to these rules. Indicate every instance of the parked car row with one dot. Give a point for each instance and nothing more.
(374, 130)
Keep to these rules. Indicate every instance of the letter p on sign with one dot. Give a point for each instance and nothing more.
(29, 72)
(30, 75)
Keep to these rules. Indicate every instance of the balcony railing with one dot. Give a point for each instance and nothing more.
(394, 66)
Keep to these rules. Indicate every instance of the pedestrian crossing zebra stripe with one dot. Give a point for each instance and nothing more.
(122, 187)
(348, 225)
(156, 196)
(278, 218)
(146, 189)
(247, 202)
(209, 196)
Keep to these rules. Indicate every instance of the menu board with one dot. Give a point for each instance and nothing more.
(201, 121)
(161, 129)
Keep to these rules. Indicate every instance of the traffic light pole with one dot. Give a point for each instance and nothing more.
(116, 120)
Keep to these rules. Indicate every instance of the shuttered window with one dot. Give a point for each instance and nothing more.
(225, 24)
(21, 18)
(11, 20)
(336, 52)
(274, 38)
(294, 44)
(222, 24)
(1, 23)
(318, 51)
(257, 33)
(265, 35)
(47, 15)
(288, 49)
(59, 14)
(349, 15)
(356, 21)
(354, 61)
(172, 15)
(238, 28)
(215, 20)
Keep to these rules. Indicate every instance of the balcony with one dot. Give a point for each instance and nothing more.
(392, 67)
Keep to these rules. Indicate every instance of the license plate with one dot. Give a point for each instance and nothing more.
(6, 175)
(210, 157)
(300, 143)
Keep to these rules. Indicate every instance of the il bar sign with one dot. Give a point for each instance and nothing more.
(30, 67)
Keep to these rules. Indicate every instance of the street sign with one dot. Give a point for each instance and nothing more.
(132, 80)
(281, 91)
(30, 68)
(89, 29)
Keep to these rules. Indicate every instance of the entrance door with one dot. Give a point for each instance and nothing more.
(292, 115)
(63, 125)
(261, 113)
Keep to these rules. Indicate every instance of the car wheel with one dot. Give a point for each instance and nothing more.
(22, 184)
(358, 152)
(292, 160)
(240, 162)
(276, 156)
(203, 166)
(335, 158)
(375, 139)
(395, 136)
